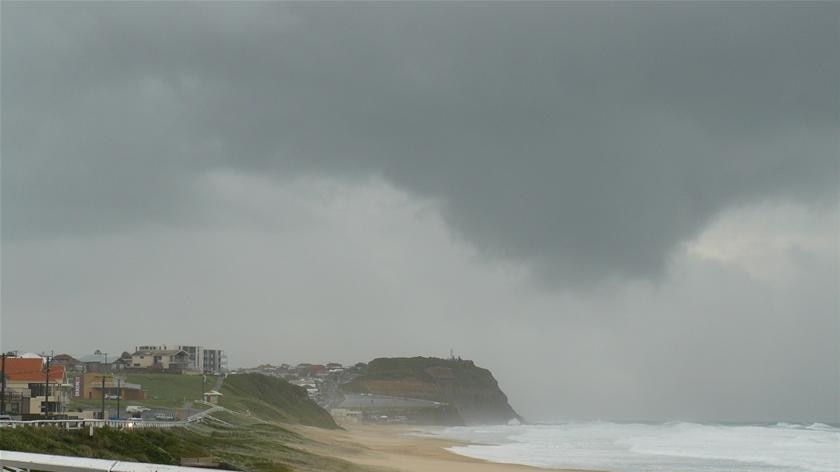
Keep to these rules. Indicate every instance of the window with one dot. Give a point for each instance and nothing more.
(37, 389)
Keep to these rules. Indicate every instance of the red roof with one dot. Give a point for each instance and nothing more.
(19, 368)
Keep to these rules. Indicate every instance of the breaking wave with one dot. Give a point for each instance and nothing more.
(663, 447)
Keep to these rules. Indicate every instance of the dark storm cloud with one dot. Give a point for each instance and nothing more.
(587, 140)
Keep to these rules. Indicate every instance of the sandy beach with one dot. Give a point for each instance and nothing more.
(390, 448)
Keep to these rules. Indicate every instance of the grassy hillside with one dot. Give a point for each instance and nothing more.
(251, 435)
(162, 390)
(470, 390)
(272, 398)
(171, 390)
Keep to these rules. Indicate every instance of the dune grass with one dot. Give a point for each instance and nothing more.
(273, 399)
(242, 442)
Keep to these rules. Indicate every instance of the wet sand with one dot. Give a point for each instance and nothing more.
(390, 448)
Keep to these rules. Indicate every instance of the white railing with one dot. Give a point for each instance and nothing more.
(25, 461)
(80, 424)
(126, 423)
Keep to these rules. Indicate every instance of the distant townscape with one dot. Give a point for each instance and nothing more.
(39, 385)
(176, 382)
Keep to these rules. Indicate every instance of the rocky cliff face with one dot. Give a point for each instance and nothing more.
(470, 393)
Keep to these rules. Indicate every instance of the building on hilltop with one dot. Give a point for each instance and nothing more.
(169, 360)
(201, 359)
(214, 361)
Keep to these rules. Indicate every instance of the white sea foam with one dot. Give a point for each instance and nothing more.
(643, 447)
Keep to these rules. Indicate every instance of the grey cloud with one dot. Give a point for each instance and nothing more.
(586, 140)
(366, 271)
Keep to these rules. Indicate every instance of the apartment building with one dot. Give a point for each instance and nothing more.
(201, 359)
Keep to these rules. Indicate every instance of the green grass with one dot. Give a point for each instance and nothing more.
(274, 399)
(256, 437)
(246, 444)
(162, 391)
(146, 445)
(170, 390)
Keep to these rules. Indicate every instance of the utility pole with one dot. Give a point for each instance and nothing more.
(119, 394)
(103, 397)
(47, 390)
(3, 391)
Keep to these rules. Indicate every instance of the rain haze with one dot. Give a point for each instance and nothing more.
(624, 210)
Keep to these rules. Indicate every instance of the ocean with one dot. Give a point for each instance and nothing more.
(651, 447)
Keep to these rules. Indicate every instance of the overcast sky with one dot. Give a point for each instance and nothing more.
(625, 211)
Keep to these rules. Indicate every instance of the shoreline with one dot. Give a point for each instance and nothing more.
(391, 448)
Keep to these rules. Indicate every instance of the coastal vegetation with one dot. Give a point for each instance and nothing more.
(240, 443)
(253, 432)
(273, 399)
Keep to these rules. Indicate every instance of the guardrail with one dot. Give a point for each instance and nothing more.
(80, 424)
(13, 461)
(123, 424)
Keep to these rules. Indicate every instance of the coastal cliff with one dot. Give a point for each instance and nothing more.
(463, 392)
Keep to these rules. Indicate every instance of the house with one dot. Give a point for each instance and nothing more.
(34, 389)
(89, 386)
(171, 360)
(96, 362)
(124, 362)
(69, 362)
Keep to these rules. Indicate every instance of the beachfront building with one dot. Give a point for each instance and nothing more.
(93, 385)
(34, 389)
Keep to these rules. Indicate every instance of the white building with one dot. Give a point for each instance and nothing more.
(208, 361)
